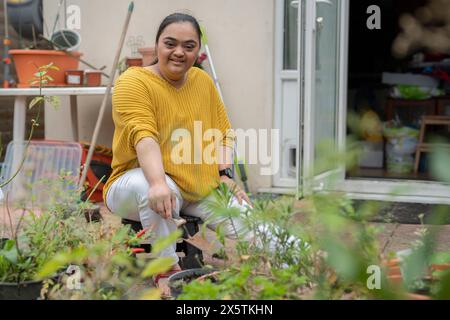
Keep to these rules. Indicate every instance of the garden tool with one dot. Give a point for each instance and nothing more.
(106, 96)
(75, 56)
(239, 162)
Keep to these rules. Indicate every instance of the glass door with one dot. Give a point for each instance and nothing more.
(322, 68)
(322, 117)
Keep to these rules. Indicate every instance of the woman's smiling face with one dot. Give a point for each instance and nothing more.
(177, 48)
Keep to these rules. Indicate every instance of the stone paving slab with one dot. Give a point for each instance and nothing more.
(385, 234)
(406, 234)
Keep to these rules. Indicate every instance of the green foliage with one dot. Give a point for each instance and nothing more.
(337, 246)
(108, 269)
(38, 238)
(42, 77)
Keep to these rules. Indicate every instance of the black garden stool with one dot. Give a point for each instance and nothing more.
(193, 257)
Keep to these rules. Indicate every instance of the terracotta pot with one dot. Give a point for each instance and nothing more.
(148, 55)
(93, 78)
(395, 277)
(394, 271)
(134, 62)
(27, 62)
(415, 296)
(392, 262)
(74, 77)
(440, 267)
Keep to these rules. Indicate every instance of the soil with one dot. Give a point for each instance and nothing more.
(406, 213)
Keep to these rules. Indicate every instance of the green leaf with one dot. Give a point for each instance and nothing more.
(163, 243)
(151, 294)
(52, 266)
(121, 235)
(444, 287)
(35, 101)
(121, 260)
(60, 260)
(342, 258)
(440, 257)
(9, 251)
(157, 266)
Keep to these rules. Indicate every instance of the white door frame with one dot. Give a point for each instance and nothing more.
(307, 93)
(280, 76)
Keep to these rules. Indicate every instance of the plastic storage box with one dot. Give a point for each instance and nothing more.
(371, 155)
(49, 168)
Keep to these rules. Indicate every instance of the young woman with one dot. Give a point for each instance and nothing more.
(156, 110)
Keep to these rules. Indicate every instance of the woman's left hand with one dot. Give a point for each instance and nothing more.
(238, 192)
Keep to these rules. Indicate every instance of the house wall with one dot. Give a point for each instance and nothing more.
(7, 102)
(241, 39)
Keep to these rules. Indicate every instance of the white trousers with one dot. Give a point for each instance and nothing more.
(128, 197)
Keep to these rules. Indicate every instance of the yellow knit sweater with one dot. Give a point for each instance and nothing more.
(146, 105)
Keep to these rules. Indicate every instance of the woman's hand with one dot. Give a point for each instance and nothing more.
(161, 199)
(238, 192)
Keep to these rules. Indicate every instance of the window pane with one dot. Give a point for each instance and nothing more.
(290, 35)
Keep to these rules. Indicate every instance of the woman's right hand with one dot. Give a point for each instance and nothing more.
(161, 199)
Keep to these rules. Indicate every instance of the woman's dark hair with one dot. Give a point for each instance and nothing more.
(177, 18)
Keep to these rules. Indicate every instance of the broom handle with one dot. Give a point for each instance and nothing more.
(105, 97)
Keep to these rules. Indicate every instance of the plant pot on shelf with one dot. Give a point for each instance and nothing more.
(134, 62)
(93, 78)
(27, 62)
(74, 77)
(148, 55)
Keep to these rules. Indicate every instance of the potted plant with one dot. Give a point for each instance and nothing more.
(25, 61)
(108, 268)
(423, 288)
(36, 238)
(180, 279)
(41, 51)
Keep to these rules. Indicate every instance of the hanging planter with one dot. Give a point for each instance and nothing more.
(27, 62)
